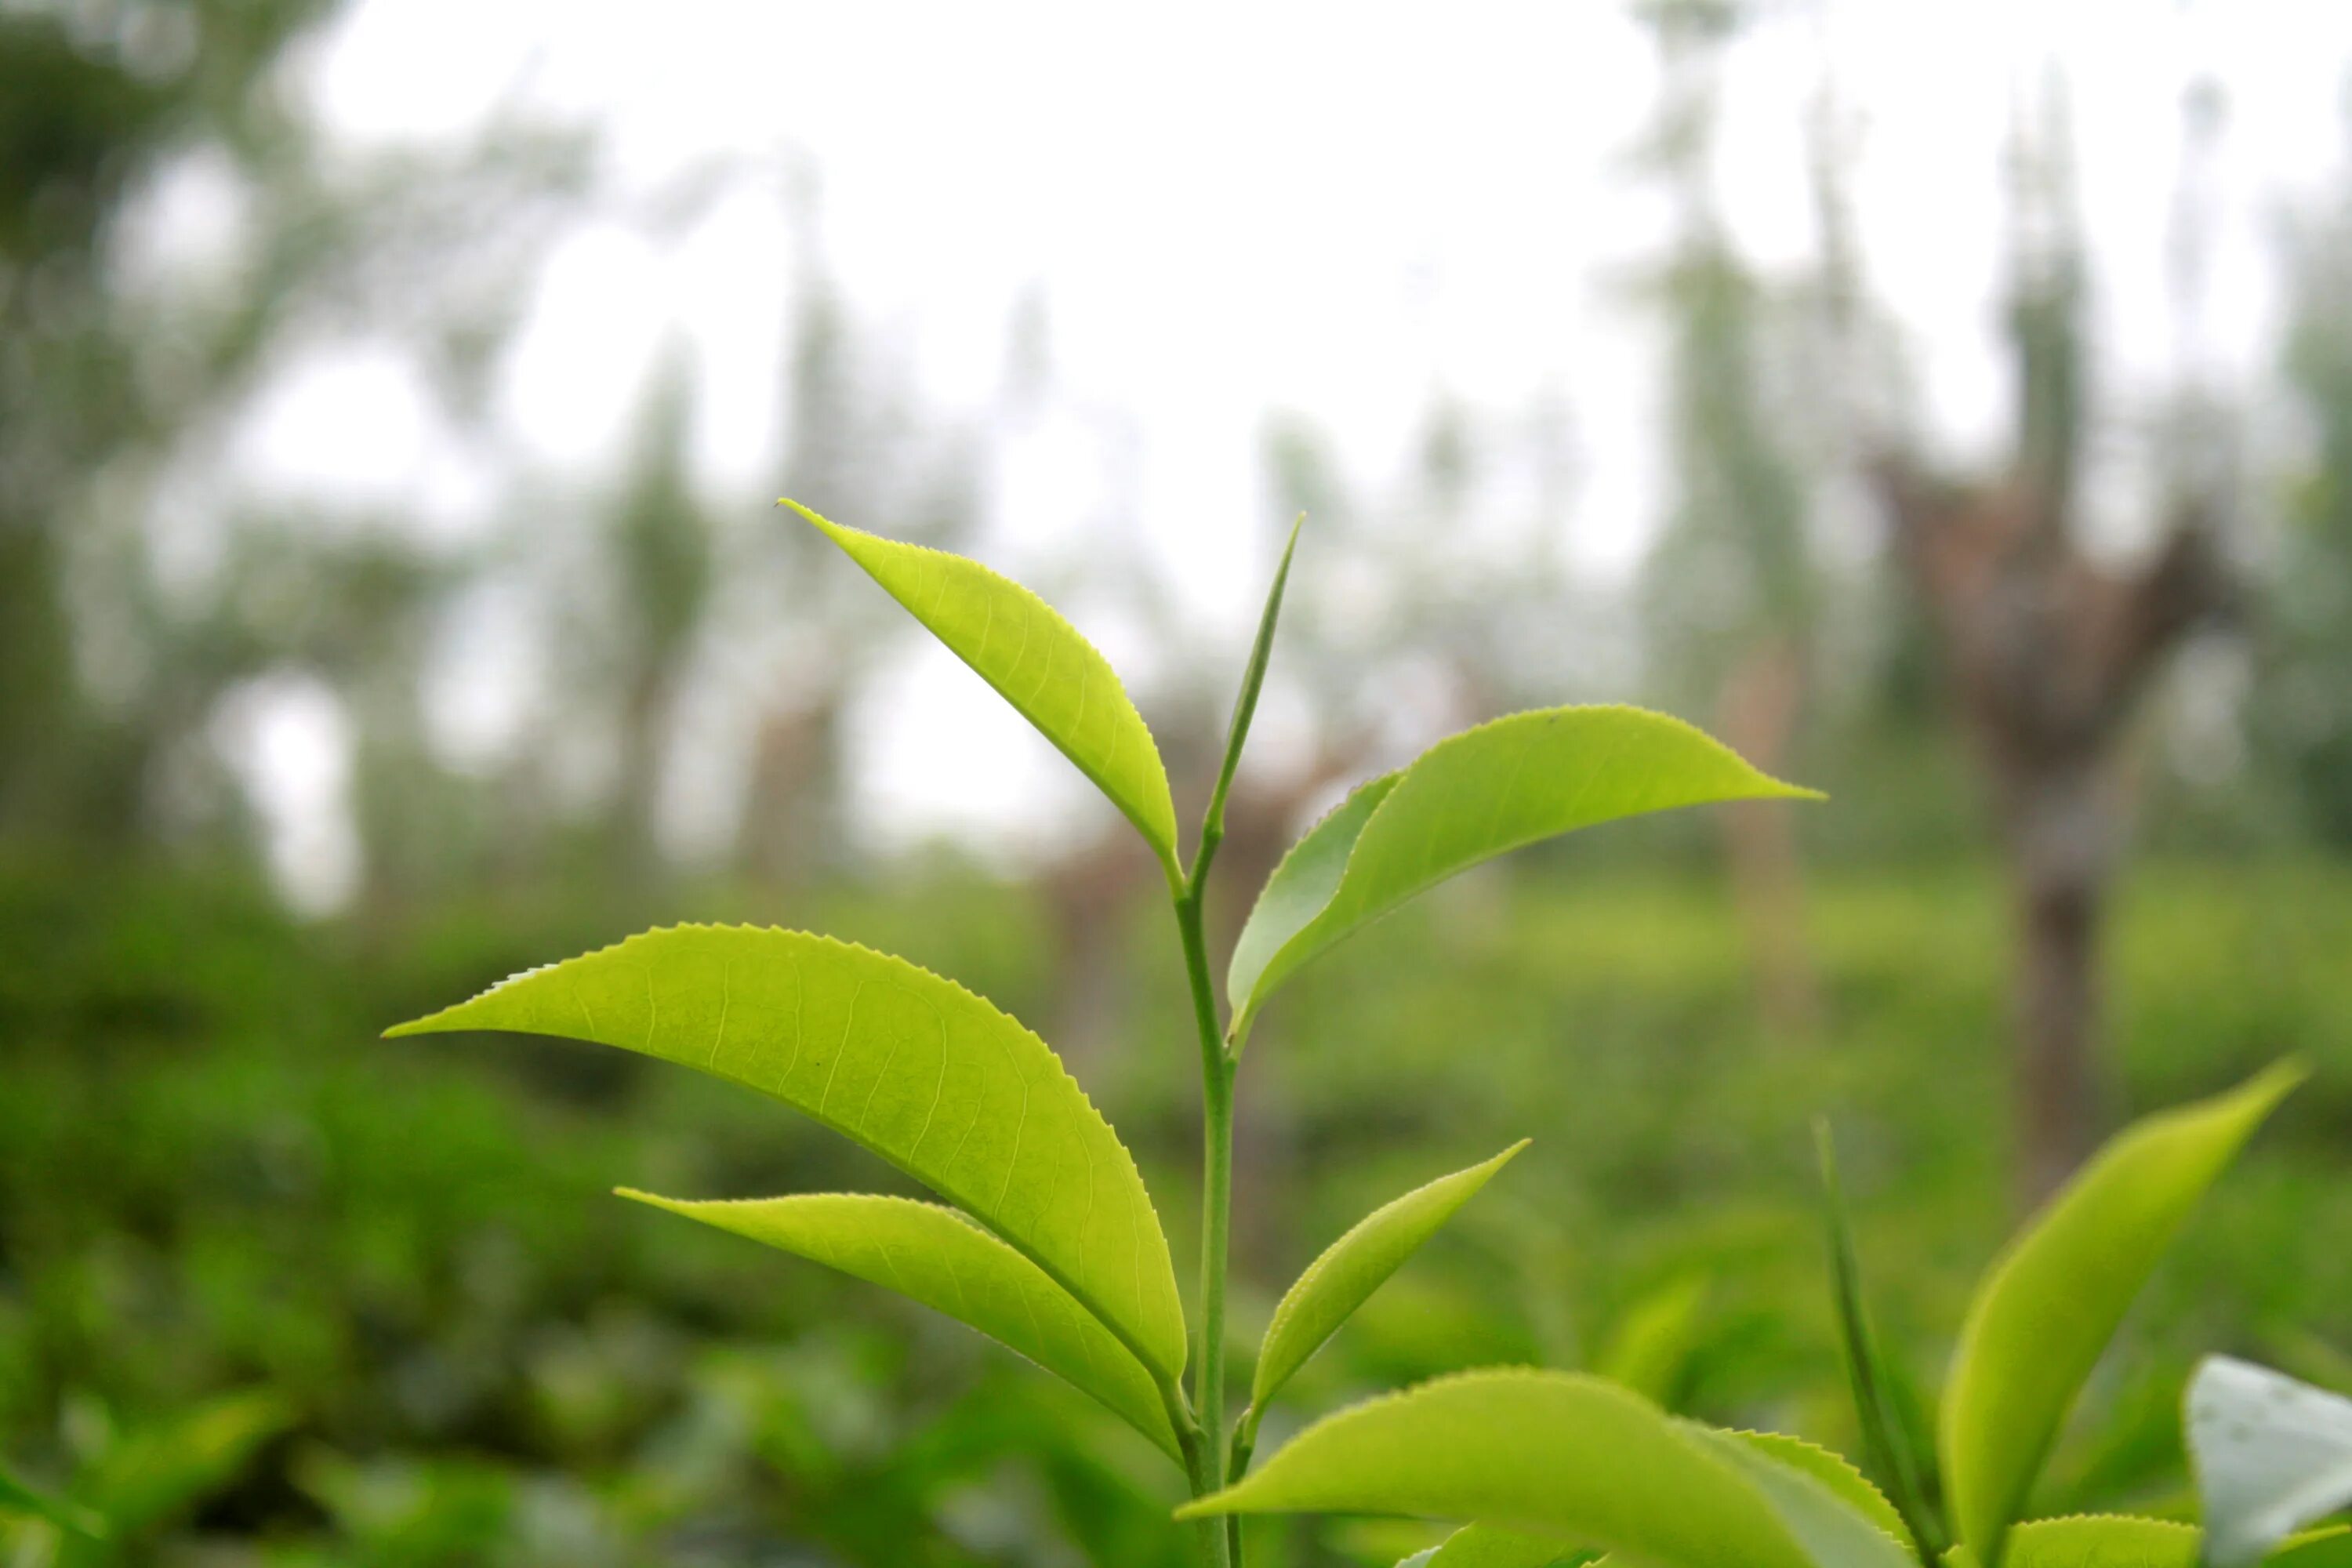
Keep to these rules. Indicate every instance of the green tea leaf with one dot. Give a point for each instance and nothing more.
(936, 1255)
(2045, 1311)
(1834, 1533)
(1355, 1265)
(1213, 823)
(1466, 799)
(912, 1067)
(1484, 1546)
(1037, 661)
(1834, 1471)
(2272, 1455)
(1557, 1454)
(2093, 1541)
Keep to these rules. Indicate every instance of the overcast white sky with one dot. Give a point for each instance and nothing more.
(1331, 209)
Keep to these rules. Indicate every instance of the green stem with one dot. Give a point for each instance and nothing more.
(1216, 1200)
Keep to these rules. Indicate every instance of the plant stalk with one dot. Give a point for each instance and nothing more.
(1216, 1204)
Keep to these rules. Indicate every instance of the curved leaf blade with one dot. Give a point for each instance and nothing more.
(917, 1068)
(1832, 1532)
(2272, 1455)
(1558, 1453)
(1833, 1471)
(1470, 797)
(2046, 1310)
(1353, 1268)
(1036, 662)
(935, 1256)
(2093, 1541)
(1484, 1546)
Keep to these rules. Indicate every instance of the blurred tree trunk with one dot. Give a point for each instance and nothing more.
(2047, 652)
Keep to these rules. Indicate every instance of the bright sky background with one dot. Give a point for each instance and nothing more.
(1336, 210)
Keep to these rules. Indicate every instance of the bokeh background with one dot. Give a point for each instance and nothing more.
(1950, 404)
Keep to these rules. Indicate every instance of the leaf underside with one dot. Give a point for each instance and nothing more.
(916, 1068)
(1561, 1455)
(1036, 662)
(1468, 798)
(2044, 1313)
(1353, 1268)
(1485, 1546)
(941, 1259)
(1834, 1471)
(2272, 1455)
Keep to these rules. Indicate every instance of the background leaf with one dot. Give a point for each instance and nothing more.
(936, 1255)
(15, 1497)
(1355, 1265)
(1037, 661)
(1563, 1453)
(2046, 1310)
(1466, 799)
(915, 1067)
(2271, 1455)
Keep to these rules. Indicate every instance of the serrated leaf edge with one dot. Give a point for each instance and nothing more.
(1301, 1288)
(1166, 852)
(432, 1024)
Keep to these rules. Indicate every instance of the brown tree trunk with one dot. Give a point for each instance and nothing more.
(2059, 828)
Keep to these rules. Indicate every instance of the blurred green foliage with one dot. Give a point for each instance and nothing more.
(274, 1292)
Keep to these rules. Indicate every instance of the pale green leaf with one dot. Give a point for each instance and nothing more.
(1466, 799)
(1355, 1265)
(1484, 1546)
(2271, 1455)
(936, 1256)
(1212, 822)
(1037, 661)
(2093, 1541)
(914, 1067)
(1833, 1471)
(2045, 1311)
(1813, 1502)
(1565, 1454)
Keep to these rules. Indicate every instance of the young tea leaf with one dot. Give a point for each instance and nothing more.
(2045, 1311)
(1564, 1455)
(1355, 1265)
(914, 1067)
(1816, 1509)
(2092, 1541)
(1834, 1471)
(1253, 681)
(935, 1256)
(1038, 662)
(1466, 799)
(1484, 1546)
(2272, 1455)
